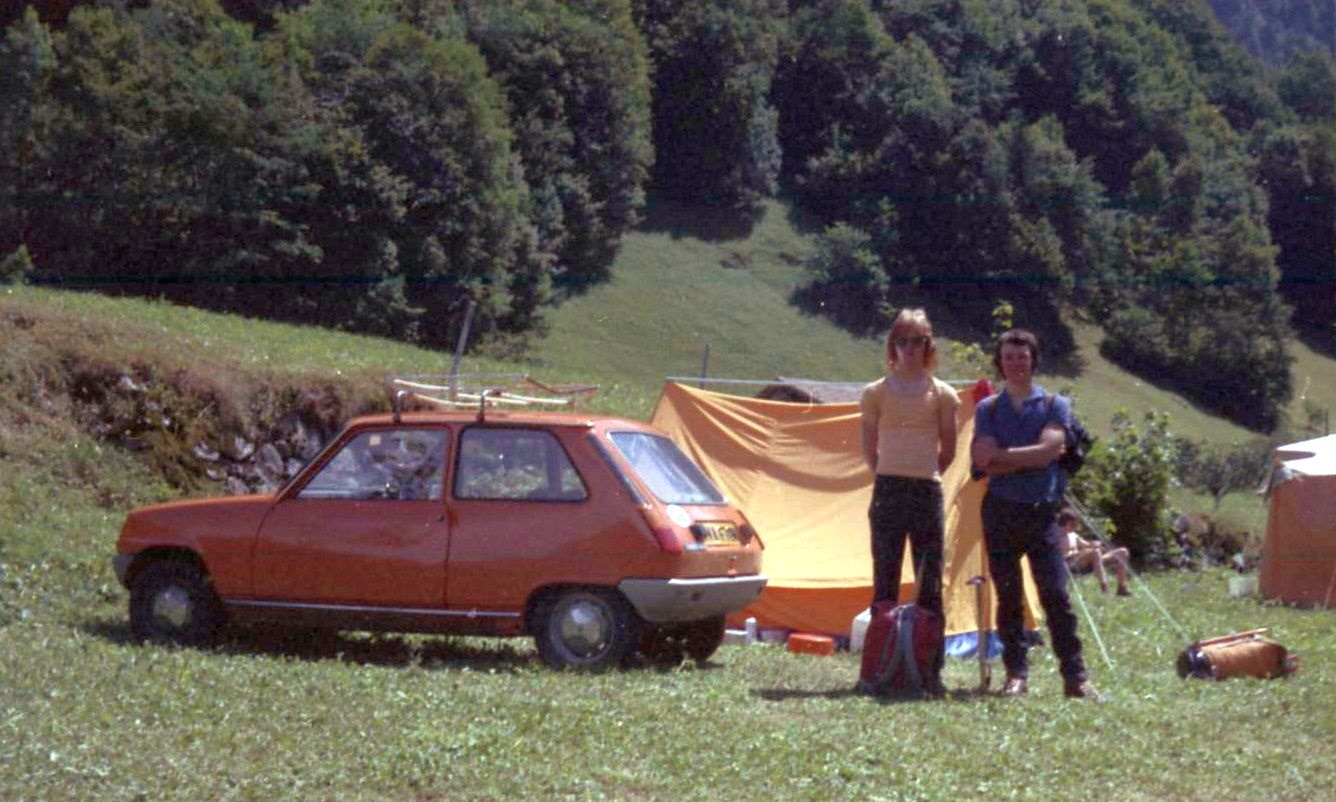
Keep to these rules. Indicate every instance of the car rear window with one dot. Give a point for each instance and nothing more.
(670, 475)
(515, 465)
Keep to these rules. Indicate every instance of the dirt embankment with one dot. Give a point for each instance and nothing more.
(203, 426)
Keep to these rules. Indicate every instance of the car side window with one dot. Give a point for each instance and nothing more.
(515, 464)
(392, 464)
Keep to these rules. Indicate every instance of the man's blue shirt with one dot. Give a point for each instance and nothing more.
(1011, 429)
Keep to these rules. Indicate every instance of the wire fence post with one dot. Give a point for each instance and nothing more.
(704, 366)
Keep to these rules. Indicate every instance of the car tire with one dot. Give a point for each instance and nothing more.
(663, 646)
(588, 629)
(174, 602)
(704, 637)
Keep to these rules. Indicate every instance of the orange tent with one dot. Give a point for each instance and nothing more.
(1299, 555)
(797, 472)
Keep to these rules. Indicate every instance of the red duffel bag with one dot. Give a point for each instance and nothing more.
(901, 650)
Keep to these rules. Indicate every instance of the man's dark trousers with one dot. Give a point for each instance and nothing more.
(1012, 529)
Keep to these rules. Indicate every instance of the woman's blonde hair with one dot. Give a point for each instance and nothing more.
(910, 322)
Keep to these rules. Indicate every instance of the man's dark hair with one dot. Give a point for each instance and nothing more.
(1066, 516)
(1017, 337)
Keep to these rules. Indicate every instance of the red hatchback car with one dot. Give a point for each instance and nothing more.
(595, 535)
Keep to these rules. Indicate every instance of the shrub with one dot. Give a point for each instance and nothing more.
(848, 284)
(16, 267)
(1126, 480)
(1219, 470)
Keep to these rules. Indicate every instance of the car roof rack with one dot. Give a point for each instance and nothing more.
(481, 390)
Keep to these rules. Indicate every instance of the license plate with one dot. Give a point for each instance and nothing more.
(717, 533)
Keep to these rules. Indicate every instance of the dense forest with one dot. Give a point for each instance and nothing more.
(379, 165)
(1276, 31)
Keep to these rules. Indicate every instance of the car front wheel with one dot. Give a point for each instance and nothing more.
(173, 602)
(589, 629)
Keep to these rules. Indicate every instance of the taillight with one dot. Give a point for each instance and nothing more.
(747, 532)
(663, 531)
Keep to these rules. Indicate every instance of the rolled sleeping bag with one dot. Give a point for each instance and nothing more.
(1242, 654)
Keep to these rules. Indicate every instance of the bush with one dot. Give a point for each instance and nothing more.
(848, 284)
(1126, 480)
(1219, 470)
(16, 267)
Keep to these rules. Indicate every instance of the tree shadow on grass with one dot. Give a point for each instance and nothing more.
(680, 219)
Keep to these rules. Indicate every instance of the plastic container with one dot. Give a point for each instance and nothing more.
(858, 630)
(1242, 586)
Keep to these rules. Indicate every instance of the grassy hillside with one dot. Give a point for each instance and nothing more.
(672, 296)
(92, 387)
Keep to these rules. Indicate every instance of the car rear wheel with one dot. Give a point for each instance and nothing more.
(663, 646)
(589, 629)
(173, 602)
(703, 638)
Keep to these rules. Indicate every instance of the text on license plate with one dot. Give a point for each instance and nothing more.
(717, 533)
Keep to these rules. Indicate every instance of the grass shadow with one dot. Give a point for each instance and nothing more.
(369, 649)
(803, 221)
(680, 220)
(788, 694)
(392, 650)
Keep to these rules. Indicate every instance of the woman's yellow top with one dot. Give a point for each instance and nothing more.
(909, 419)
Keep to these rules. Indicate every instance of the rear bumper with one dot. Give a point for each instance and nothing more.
(661, 601)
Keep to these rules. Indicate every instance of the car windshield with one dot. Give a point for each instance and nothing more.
(669, 474)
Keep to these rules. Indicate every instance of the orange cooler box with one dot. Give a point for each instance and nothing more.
(807, 643)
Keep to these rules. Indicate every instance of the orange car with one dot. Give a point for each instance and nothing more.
(595, 535)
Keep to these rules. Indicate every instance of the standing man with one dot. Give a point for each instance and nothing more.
(1019, 433)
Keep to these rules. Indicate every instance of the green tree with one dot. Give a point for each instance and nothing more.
(577, 83)
(1224, 70)
(847, 281)
(424, 151)
(149, 158)
(1308, 86)
(1297, 164)
(715, 132)
(28, 62)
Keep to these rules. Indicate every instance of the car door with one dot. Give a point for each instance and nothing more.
(521, 517)
(368, 528)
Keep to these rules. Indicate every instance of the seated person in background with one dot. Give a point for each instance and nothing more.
(1092, 554)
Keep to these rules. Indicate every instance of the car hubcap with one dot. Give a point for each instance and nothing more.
(584, 629)
(172, 607)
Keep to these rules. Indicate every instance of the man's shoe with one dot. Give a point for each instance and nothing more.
(1080, 690)
(1015, 686)
(934, 689)
(1124, 591)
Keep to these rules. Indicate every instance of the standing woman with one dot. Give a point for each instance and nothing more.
(909, 439)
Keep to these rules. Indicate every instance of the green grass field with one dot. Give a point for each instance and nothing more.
(87, 714)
